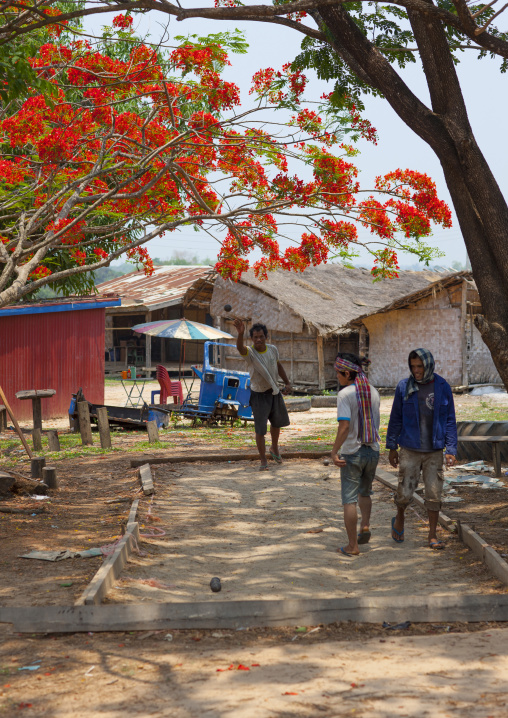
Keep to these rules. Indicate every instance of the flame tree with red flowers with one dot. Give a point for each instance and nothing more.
(134, 144)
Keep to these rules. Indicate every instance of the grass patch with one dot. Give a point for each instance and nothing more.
(319, 435)
(486, 411)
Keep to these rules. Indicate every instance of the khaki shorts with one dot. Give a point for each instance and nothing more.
(430, 464)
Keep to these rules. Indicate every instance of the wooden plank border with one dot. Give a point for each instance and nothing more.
(112, 566)
(481, 549)
(249, 614)
(212, 458)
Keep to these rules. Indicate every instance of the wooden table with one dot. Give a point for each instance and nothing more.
(36, 395)
(496, 448)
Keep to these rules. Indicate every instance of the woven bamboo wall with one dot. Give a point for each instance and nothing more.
(254, 306)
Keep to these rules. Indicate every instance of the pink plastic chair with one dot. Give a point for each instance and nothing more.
(167, 387)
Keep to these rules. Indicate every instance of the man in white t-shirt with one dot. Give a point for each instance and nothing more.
(357, 441)
(265, 397)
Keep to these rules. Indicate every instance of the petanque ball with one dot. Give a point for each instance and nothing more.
(227, 307)
(326, 462)
(215, 584)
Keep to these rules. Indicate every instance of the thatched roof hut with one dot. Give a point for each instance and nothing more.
(306, 312)
(327, 297)
(439, 317)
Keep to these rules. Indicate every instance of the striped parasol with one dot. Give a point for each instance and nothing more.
(180, 329)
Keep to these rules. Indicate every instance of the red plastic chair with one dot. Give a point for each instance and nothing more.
(168, 387)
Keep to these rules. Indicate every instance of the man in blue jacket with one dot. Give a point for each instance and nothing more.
(422, 422)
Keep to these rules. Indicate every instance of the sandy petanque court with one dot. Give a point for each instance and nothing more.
(274, 535)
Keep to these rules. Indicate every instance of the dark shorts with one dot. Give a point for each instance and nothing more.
(267, 406)
(358, 474)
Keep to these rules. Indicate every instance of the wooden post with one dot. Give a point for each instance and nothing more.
(37, 412)
(103, 424)
(321, 362)
(148, 344)
(53, 440)
(292, 377)
(49, 477)
(153, 431)
(463, 339)
(84, 423)
(36, 466)
(363, 342)
(37, 439)
(3, 418)
(496, 460)
(217, 355)
(16, 425)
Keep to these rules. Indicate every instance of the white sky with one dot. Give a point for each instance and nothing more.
(483, 85)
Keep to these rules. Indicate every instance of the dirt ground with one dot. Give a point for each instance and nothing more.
(230, 520)
(344, 670)
(486, 512)
(251, 529)
(274, 535)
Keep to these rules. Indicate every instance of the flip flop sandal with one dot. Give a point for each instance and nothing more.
(276, 457)
(364, 537)
(400, 534)
(345, 553)
(264, 468)
(436, 545)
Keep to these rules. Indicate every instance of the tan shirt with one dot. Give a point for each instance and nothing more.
(269, 359)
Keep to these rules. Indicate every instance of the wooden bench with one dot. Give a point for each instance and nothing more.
(36, 395)
(496, 442)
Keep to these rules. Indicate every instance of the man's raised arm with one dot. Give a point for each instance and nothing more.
(240, 328)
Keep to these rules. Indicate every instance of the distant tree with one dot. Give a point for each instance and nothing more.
(184, 259)
(105, 274)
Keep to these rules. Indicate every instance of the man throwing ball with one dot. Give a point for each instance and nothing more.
(265, 397)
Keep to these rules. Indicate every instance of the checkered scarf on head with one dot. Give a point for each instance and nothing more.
(428, 371)
(367, 432)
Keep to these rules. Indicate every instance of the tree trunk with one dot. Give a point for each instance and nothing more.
(481, 209)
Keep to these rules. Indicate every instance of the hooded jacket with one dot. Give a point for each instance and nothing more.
(404, 424)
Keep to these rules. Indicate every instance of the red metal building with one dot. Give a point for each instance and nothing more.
(53, 344)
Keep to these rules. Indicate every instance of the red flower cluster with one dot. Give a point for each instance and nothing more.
(122, 22)
(124, 151)
(364, 127)
(283, 85)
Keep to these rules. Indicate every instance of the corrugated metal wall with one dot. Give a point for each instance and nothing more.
(60, 350)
